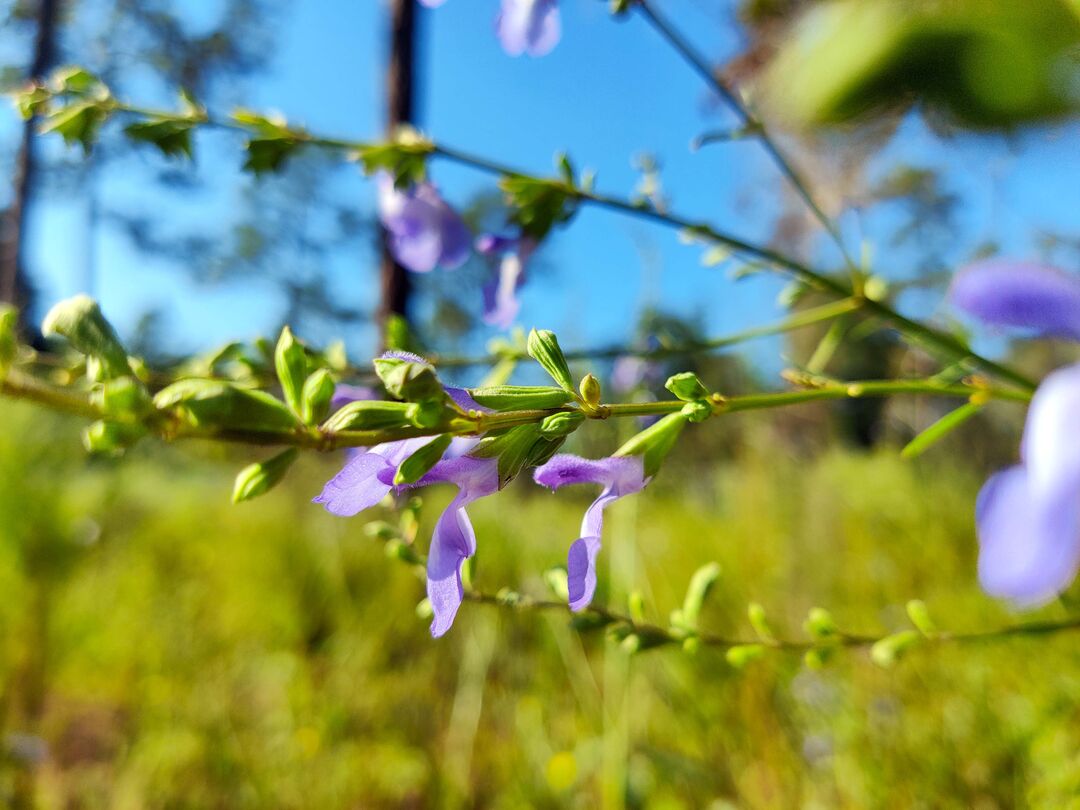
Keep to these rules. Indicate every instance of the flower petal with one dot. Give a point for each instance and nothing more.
(528, 26)
(357, 487)
(1051, 447)
(1029, 552)
(626, 474)
(453, 542)
(1020, 294)
(581, 571)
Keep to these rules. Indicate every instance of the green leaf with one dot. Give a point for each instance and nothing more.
(111, 438)
(268, 155)
(756, 614)
(920, 617)
(171, 135)
(415, 466)
(538, 205)
(543, 347)
(9, 338)
(520, 397)
(79, 319)
(290, 362)
(404, 157)
(939, 430)
(78, 122)
(123, 399)
(701, 583)
(257, 479)
(214, 403)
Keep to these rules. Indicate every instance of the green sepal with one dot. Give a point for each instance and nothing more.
(686, 386)
(259, 478)
(123, 399)
(290, 362)
(316, 395)
(111, 438)
(654, 443)
(558, 425)
(214, 403)
(516, 449)
(370, 415)
(520, 397)
(79, 319)
(415, 466)
(408, 380)
(939, 430)
(543, 347)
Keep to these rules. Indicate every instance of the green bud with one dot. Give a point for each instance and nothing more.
(888, 650)
(123, 399)
(429, 413)
(9, 339)
(590, 391)
(408, 380)
(820, 624)
(743, 654)
(686, 386)
(701, 583)
(556, 580)
(543, 347)
(920, 617)
(654, 443)
(397, 549)
(562, 424)
(214, 403)
(413, 468)
(290, 361)
(315, 396)
(370, 415)
(818, 657)
(756, 614)
(79, 319)
(519, 397)
(259, 478)
(111, 438)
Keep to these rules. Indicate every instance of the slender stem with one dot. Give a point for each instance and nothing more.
(752, 125)
(932, 338)
(661, 635)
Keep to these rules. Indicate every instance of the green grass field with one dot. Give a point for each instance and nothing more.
(162, 648)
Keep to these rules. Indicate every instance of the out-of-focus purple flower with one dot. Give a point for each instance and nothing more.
(432, 3)
(501, 304)
(1020, 294)
(528, 26)
(619, 476)
(1028, 516)
(344, 394)
(424, 232)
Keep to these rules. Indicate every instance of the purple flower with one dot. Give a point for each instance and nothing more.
(344, 394)
(432, 3)
(528, 26)
(1028, 516)
(619, 475)
(501, 304)
(424, 232)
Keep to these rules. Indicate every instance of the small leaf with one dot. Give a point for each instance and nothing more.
(80, 320)
(701, 583)
(888, 650)
(214, 403)
(257, 479)
(290, 362)
(920, 617)
(316, 395)
(171, 135)
(655, 442)
(743, 654)
(756, 614)
(939, 430)
(820, 624)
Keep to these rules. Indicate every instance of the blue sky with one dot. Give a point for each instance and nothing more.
(609, 91)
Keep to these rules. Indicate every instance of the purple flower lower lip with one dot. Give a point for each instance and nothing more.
(501, 304)
(528, 26)
(619, 476)
(423, 231)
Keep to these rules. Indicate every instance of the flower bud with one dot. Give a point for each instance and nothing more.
(290, 361)
(370, 415)
(561, 424)
(686, 386)
(315, 396)
(407, 379)
(743, 654)
(519, 397)
(214, 403)
(543, 347)
(888, 650)
(123, 399)
(111, 438)
(259, 478)
(79, 319)
(590, 390)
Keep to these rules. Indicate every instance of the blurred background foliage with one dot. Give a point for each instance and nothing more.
(160, 648)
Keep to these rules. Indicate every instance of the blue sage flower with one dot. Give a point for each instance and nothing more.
(424, 232)
(619, 476)
(528, 26)
(510, 255)
(1028, 516)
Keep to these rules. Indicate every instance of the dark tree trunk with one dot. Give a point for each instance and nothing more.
(394, 286)
(14, 285)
